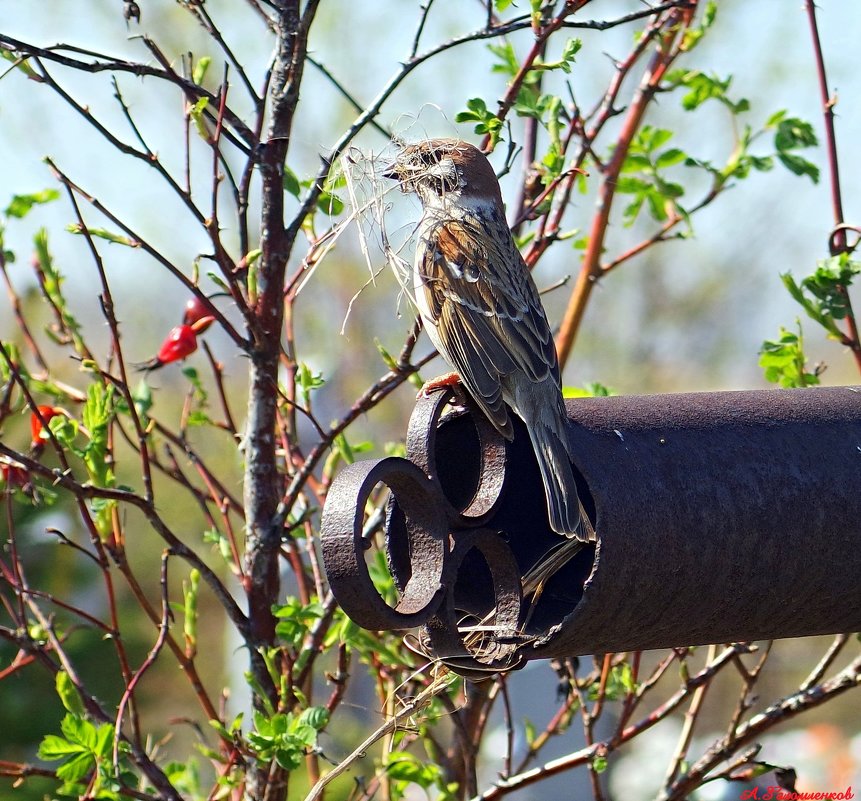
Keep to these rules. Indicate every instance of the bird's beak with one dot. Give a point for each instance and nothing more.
(392, 171)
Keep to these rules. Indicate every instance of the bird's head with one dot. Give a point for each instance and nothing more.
(444, 172)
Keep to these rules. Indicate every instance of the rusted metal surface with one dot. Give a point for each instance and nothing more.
(435, 541)
(720, 517)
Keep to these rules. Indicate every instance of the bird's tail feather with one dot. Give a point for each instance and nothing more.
(566, 512)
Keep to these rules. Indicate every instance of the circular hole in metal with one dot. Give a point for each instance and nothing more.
(560, 593)
(487, 602)
(458, 454)
(353, 541)
(378, 510)
(470, 456)
(473, 590)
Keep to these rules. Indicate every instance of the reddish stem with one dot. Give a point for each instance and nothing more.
(590, 269)
(838, 241)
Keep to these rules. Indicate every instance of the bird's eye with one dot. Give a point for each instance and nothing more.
(438, 184)
(440, 174)
(429, 158)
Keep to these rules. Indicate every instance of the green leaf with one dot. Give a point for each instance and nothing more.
(631, 185)
(65, 430)
(388, 359)
(657, 206)
(76, 768)
(291, 182)
(193, 376)
(783, 360)
(529, 731)
(190, 615)
(316, 717)
(97, 414)
(21, 63)
(572, 47)
(507, 62)
(829, 284)
(793, 133)
(197, 116)
(308, 382)
(649, 139)
(142, 398)
(668, 189)
(68, 693)
(218, 281)
(775, 118)
(626, 677)
(762, 163)
(330, 204)
(636, 162)
(501, 5)
(215, 537)
(103, 746)
(20, 205)
(285, 737)
(702, 87)
(83, 747)
(693, 35)
(53, 748)
(593, 390)
(632, 210)
(487, 121)
(295, 620)
(530, 103)
(200, 69)
(476, 110)
(799, 165)
(198, 418)
(103, 233)
(185, 777)
(402, 766)
(670, 158)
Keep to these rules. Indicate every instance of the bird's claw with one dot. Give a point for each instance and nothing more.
(435, 384)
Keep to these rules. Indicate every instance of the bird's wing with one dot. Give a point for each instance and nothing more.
(486, 310)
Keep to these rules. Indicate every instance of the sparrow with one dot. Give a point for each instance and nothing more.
(482, 312)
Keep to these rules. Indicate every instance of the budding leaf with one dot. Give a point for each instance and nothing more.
(200, 69)
(103, 233)
(196, 113)
(68, 693)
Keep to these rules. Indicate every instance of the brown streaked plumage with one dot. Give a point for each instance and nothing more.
(482, 311)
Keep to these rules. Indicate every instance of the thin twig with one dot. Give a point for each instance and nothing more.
(437, 686)
(838, 240)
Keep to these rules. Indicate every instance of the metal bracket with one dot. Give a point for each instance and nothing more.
(436, 528)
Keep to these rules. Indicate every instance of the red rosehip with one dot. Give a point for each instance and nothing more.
(179, 343)
(197, 314)
(36, 429)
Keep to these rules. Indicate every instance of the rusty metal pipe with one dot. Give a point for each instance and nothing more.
(720, 517)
